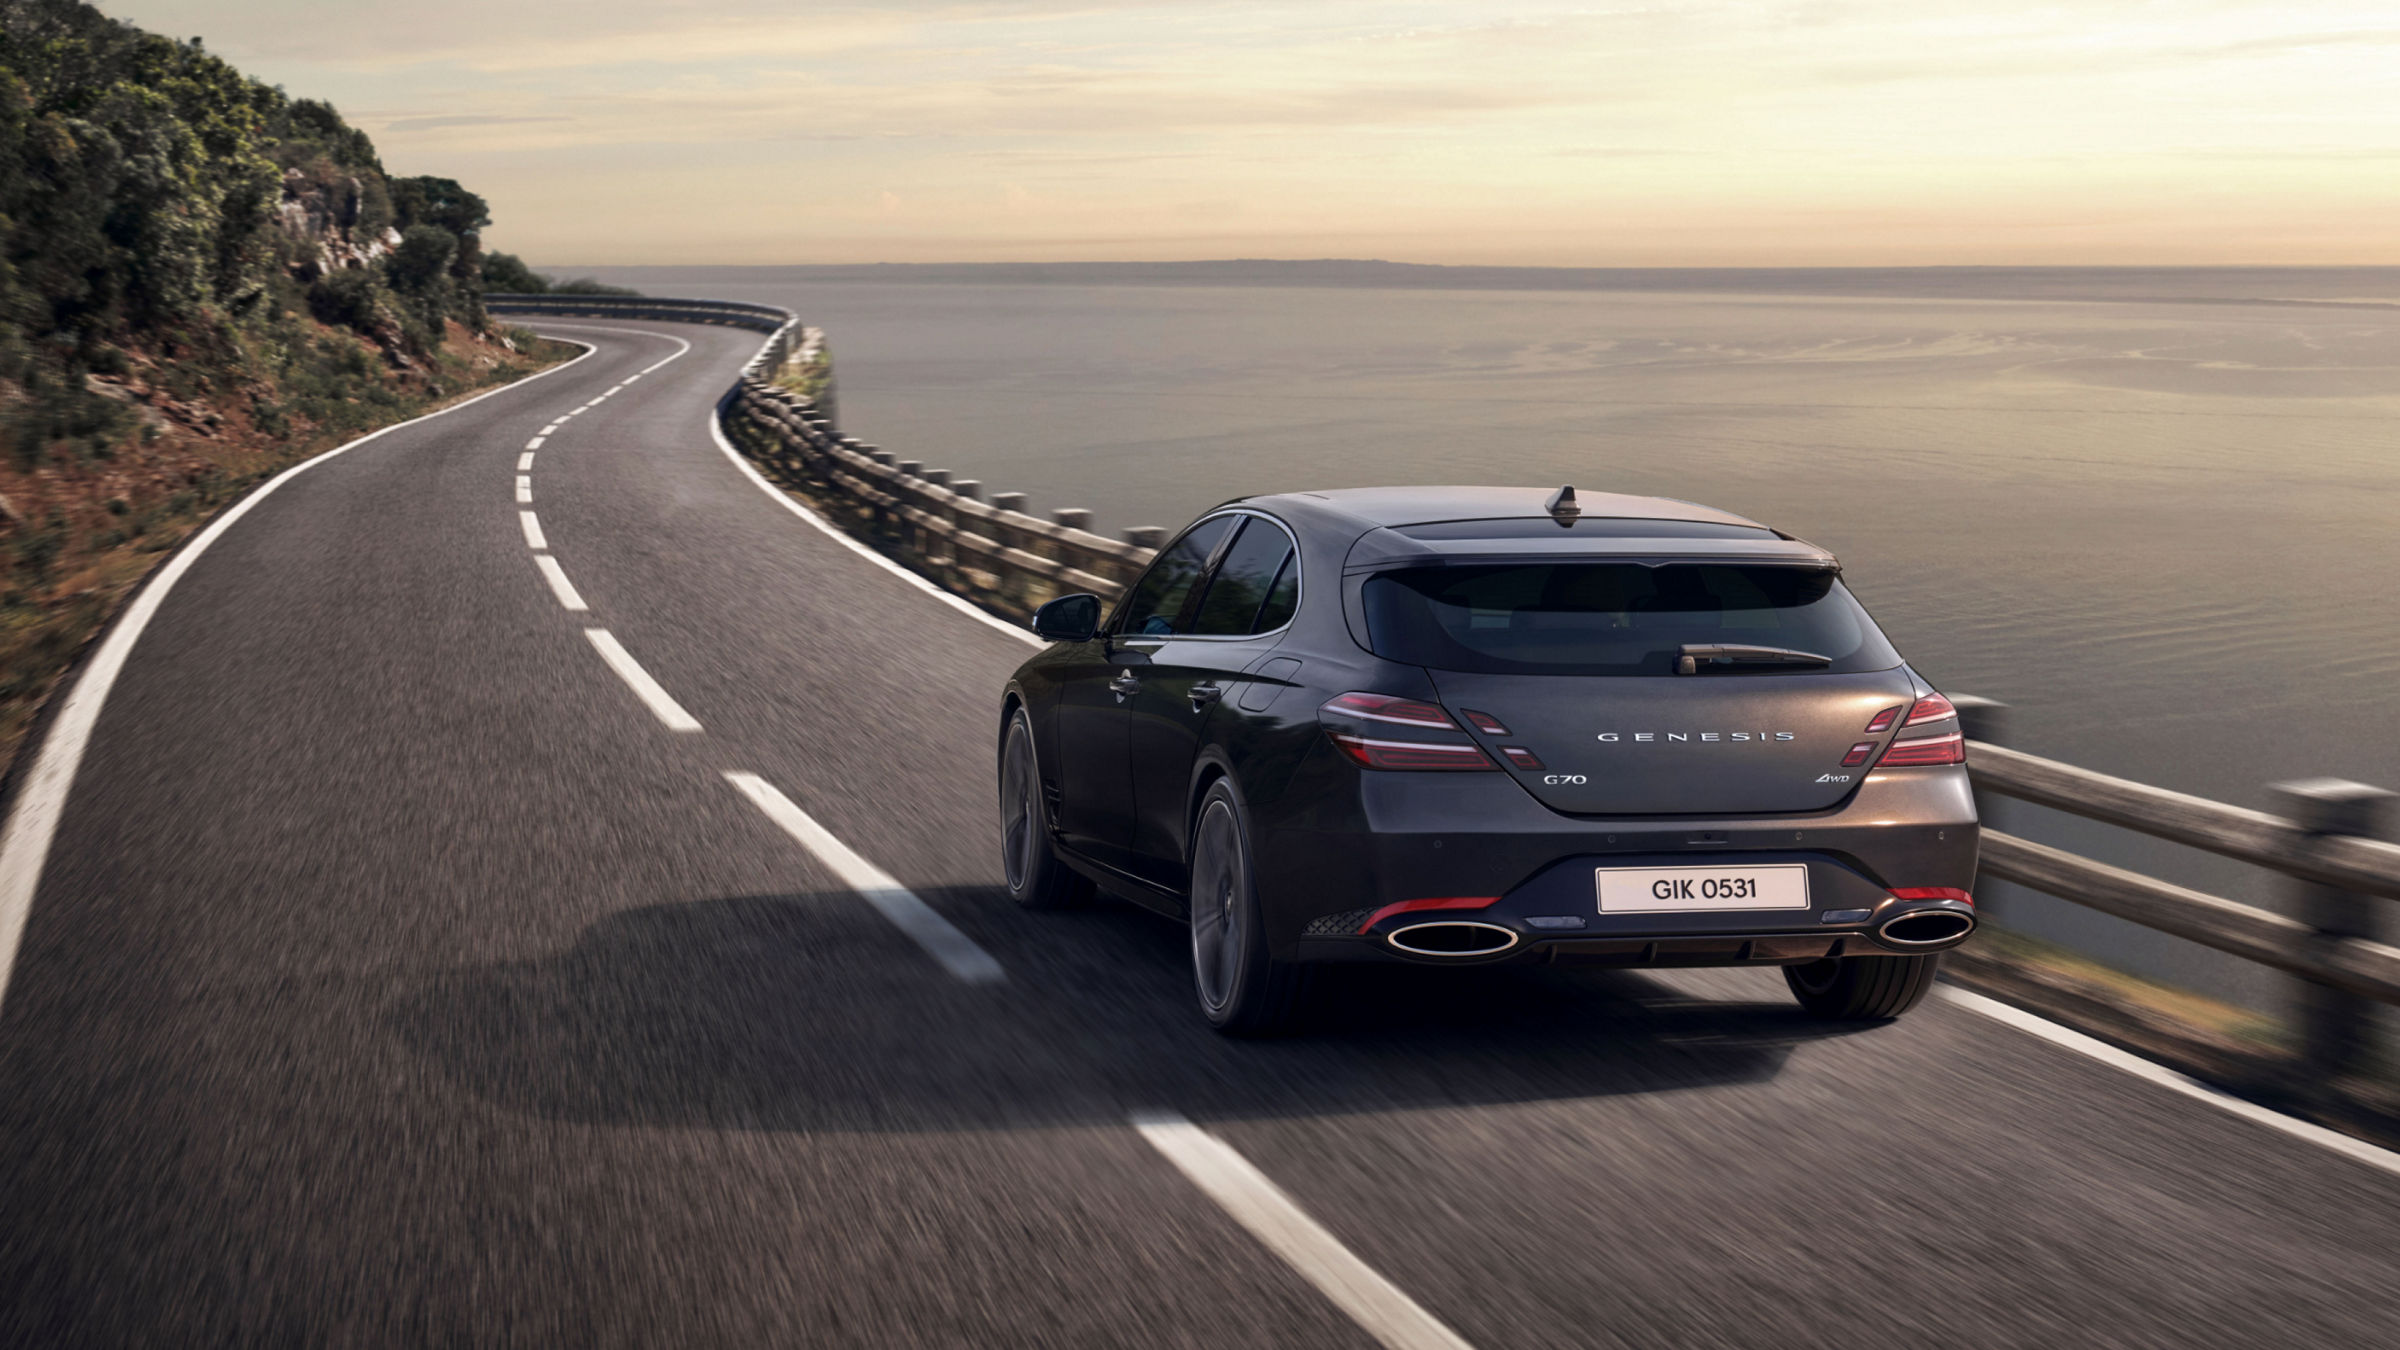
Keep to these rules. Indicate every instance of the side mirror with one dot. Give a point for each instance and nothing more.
(1069, 618)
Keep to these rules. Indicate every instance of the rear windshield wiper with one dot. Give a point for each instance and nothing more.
(1693, 655)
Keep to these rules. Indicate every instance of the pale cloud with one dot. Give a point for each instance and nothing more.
(1700, 131)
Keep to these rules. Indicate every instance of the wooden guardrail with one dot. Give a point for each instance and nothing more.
(2324, 844)
(1009, 561)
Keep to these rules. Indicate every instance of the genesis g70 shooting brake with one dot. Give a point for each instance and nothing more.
(1465, 725)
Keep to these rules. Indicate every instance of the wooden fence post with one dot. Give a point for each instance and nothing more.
(2335, 1025)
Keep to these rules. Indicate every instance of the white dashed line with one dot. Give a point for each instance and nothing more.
(524, 490)
(644, 688)
(637, 375)
(535, 443)
(1258, 1204)
(559, 585)
(525, 462)
(552, 429)
(2094, 1048)
(533, 535)
(617, 390)
(955, 950)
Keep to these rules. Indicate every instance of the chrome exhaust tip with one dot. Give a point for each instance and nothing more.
(1927, 928)
(1452, 938)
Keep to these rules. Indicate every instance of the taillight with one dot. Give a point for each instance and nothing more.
(1883, 720)
(1522, 757)
(1931, 708)
(1950, 749)
(1859, 754)
(1377, 754)
(1445, 748)
(1485, 722)
(1406, 712)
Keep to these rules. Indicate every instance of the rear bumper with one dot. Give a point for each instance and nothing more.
(1352, 848)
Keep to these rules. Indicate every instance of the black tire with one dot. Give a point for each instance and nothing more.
(1862, 988)
(1036, 876)
(1243, 990)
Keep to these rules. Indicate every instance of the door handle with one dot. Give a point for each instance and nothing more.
(1124, 686)
(1204, 694)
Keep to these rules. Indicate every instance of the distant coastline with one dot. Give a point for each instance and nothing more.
(2375, 287)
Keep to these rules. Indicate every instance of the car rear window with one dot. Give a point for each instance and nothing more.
(1574, 618)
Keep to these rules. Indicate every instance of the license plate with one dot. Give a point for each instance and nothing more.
(1662, 890)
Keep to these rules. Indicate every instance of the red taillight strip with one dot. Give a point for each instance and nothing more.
(1445, 902)
(1932, 893)
(1374, 754)
(1950, 749)
(1883, 720)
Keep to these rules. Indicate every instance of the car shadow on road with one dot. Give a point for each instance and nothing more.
(807, 1012)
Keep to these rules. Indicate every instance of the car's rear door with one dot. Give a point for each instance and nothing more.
(1236, 617)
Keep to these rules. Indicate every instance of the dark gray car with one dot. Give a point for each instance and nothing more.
(1466, 725)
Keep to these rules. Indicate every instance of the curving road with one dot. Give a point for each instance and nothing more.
(467, 927)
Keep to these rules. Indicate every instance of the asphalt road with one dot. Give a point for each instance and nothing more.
(401, 976)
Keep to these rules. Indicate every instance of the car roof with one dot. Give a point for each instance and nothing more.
(1397, 506)
(1364, 524)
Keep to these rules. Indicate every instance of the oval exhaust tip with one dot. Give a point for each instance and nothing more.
(1453, 939)
(1937, 928)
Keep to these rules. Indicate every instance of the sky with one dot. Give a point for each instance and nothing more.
(1674, 132)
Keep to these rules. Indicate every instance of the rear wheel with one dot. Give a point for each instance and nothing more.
(1862, 988)
(1037, 878)
(1243, 990)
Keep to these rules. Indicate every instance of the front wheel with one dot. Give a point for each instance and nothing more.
(1243, 990)
(1862, 988)
(1037, 878)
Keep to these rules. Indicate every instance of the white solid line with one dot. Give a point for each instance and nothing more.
(559, 585)
(535, 443)
(955, 950)
(785, 499)
(533, 535)
(33, 819)
(648, 690)
(2356, 1149)
(525, 462)
(1258, 1204)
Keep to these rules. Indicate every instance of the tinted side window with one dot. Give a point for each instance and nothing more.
(1282, 598)
(1242, 580)
(1157, 600)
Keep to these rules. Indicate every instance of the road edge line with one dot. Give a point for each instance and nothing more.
(2092, 1047)
(33, 817)
(1253, 1200)
(742, 462)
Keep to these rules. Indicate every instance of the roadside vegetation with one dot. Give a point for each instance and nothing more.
(202, 281)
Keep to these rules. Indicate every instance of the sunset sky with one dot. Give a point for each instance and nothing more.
(1667, 132)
